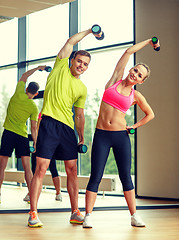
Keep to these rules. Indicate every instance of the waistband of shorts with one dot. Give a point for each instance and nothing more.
(107, 131)
(56, 121)
(49, 117)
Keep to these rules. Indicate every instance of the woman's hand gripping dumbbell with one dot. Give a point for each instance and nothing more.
(156, 44)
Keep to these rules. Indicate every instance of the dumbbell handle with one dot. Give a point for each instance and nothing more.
(131, 130)
(82, 148)
(96, 30)
(32, 149)
(155, 41)
(47, 69)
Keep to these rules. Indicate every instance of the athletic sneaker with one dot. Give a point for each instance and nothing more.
(58, 197)
(136, 221)
(33, 220)
(27, 198)
(87, 221)
(77, 217)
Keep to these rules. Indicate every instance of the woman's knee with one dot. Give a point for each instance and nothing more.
(93, 184)
(53, 168)
(127, 183)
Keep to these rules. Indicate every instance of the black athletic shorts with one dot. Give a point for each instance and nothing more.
(56, 138)
(11, 141)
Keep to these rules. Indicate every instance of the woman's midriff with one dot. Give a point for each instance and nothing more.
(110, 118)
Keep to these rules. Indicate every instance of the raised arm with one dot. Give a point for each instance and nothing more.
(120, 67)
(30, 72)
(68, 47)
(80, 123)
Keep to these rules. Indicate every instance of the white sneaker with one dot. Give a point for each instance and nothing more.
(87, 221)
(58, 197)
(27, 198)
(136, 221)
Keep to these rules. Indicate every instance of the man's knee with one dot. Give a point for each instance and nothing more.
(41, 169)
(3, 162)
(26, 163)
(40, 172)
(71, 170)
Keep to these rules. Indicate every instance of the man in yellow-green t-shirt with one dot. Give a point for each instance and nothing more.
(20, 108)
(56, 135)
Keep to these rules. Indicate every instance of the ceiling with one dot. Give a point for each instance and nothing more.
(20, 8)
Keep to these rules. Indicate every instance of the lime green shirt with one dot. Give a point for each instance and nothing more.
(62, 91)
(20, 108)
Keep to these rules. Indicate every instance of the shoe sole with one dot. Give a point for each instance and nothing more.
(35, 225)
(75, 221)
(87, 227)
(137, 226)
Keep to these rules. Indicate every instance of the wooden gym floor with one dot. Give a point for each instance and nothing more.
(161, 224)
(108, 225)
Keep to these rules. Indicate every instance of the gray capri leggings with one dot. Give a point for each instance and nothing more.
(102, 142)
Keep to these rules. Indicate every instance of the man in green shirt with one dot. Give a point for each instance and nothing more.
(20, 108)
(63, 90)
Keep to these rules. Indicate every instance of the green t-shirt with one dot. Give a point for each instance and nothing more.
(20, 108)
(61, 92)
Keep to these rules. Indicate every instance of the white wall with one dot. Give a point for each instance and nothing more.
(158, 142)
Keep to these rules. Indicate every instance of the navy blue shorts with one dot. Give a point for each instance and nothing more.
(56, 139)
(11, 141)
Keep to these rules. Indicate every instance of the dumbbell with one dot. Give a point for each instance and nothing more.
(47, 69)
(96, 30)
(32, 149)
(155, 41)
(131, 130)
(82, 148)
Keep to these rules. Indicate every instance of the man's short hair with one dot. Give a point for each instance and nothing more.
(82, 53)
(33, 87)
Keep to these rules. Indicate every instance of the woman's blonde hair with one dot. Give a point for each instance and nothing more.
(147, 68)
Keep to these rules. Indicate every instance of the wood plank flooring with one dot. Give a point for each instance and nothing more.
(162, 224)
(108, 225)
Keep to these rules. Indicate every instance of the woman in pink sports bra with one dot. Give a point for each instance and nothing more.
(112, 131)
